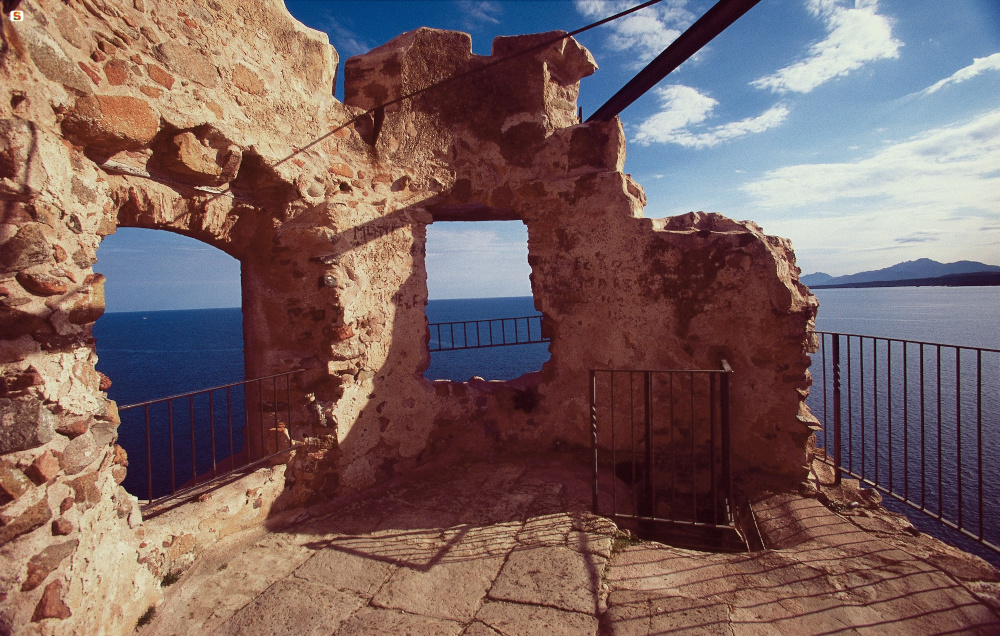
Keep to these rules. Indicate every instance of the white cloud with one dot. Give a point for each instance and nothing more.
(855, 36)
(472, 242)
(684, 107)
(477, 260)
(645, 33)
(942, 173)
(479, 11)
(919, 237)
(770, 118)
(979, 65)
(845, 243)
(344, 40)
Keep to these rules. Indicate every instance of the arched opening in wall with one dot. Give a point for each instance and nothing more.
(480, 308)
(173, 324)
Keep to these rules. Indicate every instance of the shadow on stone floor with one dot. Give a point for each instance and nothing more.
(491, 548)
(822, 575)
(510, 548)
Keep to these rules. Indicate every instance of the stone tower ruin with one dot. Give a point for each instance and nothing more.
(217, 120)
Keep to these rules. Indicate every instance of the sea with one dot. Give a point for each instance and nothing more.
(157, 354)
(150, 355)
(927, 447)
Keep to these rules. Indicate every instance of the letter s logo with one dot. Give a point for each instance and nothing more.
(16, 16)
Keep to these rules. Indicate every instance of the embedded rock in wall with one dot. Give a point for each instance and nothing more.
(216, 119)
(26, 423)
(110, 123)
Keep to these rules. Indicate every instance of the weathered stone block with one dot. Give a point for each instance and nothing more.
(160, 76)
(34, 517)
(24, 423)
(567, 60)
(91, 72)
(151, 91)
(51, 605)
(117, 72)
(17, 320)
(62, 527)
(27, 248)
(91, 306)
(18, 151)
(341, 169)
(192, 160)
(247, 80)
(15, 382)
(44, 468)
(70, 29)
(79, 453)
(188, 62)
(73, 427)
(111, 122)
(13, 483)
(105, 431)
(42, 564)
(42, 284)
(85, 489)
(51, 60)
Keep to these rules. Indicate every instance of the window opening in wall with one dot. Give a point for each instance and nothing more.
(173, 324)
(478, 271)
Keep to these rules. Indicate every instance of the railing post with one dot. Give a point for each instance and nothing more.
(194, 452)
(274, 389)
(713, 471)
(211, 428)
(593, 437)
(262, 449)
(836, 409)
(647, 384)
(149, 457)
(170, 432)
(288, 409)
(727, 444)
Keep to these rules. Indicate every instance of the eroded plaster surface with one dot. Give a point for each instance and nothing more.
(216, 119)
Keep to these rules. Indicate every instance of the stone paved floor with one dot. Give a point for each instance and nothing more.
(510, 549)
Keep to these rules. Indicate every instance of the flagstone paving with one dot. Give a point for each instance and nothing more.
(511, 549)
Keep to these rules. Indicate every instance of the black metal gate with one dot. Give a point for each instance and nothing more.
(663, 454)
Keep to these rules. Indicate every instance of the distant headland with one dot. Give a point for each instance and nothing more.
(922, 272)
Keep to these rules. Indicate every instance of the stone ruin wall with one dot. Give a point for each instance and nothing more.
(330, 231)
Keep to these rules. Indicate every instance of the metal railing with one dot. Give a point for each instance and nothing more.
(918, 421)
(479, 334)
(666, 435)
(195, 440)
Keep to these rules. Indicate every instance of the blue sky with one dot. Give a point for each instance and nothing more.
(866, 131)
(154, 270)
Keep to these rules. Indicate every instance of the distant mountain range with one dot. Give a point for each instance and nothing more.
(919, 272)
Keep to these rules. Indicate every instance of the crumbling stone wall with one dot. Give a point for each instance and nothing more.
(216, 119)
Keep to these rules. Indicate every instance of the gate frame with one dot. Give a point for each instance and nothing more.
(721, 535)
